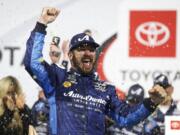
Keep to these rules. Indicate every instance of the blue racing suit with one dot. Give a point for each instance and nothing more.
(82, 101)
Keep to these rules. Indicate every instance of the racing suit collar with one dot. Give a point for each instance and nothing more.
(77, 73)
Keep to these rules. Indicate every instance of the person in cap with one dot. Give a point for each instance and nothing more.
(155, 124)
(135, 94)
(40, 113)
(82, 100)
(134, 97)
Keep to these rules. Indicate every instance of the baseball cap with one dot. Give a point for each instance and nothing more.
(162, 80)
(135, 93)
(80, 39)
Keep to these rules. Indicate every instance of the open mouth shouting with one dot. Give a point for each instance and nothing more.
(87, 63)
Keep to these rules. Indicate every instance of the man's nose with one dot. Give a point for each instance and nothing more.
(87, 51)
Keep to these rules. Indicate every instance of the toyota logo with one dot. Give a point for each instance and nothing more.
(175, 124)
(152, 34)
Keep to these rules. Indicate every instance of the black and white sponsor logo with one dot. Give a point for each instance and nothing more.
(10, 54)
(135, 75)
(136, 92)
(100, 86)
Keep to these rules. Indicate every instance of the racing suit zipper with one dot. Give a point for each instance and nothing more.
(85, 92)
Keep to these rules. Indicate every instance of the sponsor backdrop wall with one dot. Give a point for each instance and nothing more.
(147, 44)
(147, 40)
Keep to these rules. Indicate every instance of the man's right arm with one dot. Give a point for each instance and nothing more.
(33, 61)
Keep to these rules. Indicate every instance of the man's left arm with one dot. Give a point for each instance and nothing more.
(142, 112)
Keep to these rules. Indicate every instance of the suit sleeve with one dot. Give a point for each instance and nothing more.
(40, 71)
(141, 112)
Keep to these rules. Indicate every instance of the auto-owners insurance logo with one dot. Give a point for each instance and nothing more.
(152, 34)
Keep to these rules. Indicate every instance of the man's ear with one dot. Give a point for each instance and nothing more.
(70, 54)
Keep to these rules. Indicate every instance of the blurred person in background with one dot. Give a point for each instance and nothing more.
(40, 113)
(15, 115)
(88, 32)
(55, 52)
(135, 96)
(154, 125)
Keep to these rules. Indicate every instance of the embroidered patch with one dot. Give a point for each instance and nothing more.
(67, 84)
(72, 78)
(100, 86)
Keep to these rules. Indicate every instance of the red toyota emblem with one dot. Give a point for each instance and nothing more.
(175, 125)
(152, 34)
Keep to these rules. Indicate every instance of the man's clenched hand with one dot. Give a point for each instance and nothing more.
(48, 15)
(157, 94)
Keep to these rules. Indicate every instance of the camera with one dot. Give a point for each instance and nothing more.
(56, 40)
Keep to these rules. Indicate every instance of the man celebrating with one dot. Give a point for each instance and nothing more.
(82, 99)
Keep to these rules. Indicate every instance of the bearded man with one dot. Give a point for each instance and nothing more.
(82, 99)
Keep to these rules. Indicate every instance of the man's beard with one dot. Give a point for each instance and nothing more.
(80, 65)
